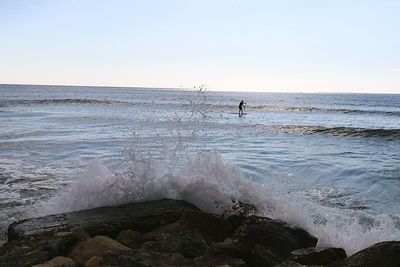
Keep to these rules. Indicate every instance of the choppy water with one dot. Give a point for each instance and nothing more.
(329, 163)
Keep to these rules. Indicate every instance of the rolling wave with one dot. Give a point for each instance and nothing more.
(333, 110)
(391, 134)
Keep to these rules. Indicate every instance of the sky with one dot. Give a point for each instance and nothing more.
(238, 45)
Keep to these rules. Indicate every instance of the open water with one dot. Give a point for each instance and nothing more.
(329, 163)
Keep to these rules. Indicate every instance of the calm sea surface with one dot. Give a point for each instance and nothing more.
(327, 162)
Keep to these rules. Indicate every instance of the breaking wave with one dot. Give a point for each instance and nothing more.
(205, 179)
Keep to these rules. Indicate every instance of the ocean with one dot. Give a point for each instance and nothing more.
(329, 163)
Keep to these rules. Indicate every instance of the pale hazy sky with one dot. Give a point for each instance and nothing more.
(247, 45)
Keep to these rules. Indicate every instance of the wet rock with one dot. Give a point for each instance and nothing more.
(95, 261)
(96, 246)
(146, 258)
(211, 227)
(317, 256)
(384, 254)
(279, 237)
(104, 220)
(58, 262)
(175, 238)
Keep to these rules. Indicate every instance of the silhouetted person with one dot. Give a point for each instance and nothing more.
(241, 108)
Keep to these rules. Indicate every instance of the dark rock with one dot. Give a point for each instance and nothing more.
(175, 238)
(220, 260)
(261, 256)
(315, 256)
(104, 220)
(384, 254)
(278, 237)
(255, 255)
(146, 258)
(129, 238)
(211, 227)
(61, 246)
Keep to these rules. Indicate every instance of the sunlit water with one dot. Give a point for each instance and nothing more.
(326, 162)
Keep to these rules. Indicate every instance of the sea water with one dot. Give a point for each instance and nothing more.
(328, 163)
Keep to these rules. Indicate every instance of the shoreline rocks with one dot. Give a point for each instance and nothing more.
(174, 233)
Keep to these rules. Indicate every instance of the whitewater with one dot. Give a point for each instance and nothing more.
(328, 163)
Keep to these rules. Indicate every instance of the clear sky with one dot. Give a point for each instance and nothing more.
(246, 45)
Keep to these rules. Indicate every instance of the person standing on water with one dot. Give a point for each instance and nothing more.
(241, 108)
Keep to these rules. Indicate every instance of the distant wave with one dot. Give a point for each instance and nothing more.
(59, 101)
(314, 109)
(392, 134)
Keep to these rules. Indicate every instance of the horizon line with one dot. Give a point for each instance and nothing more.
(195, 89)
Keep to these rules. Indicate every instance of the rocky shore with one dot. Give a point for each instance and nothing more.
(175, 233)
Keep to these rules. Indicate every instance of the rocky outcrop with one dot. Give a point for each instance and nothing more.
(384, 254)
(175, 233)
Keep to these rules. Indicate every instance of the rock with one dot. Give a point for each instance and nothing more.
(129, 238)
(317, 256)
(80, 234)
(61, 246)
(62, 234)
(278, 237)
(384, 254)
(145, 258)
(211, 227)
(96, 246)
(289, 263)
(175, 238)
(220, 260)
(261, 256)
(255, 255)
(104, 220)
(95, 261)
(58, 262)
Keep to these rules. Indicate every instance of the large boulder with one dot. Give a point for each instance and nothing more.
(279, 237)
(384, 254)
